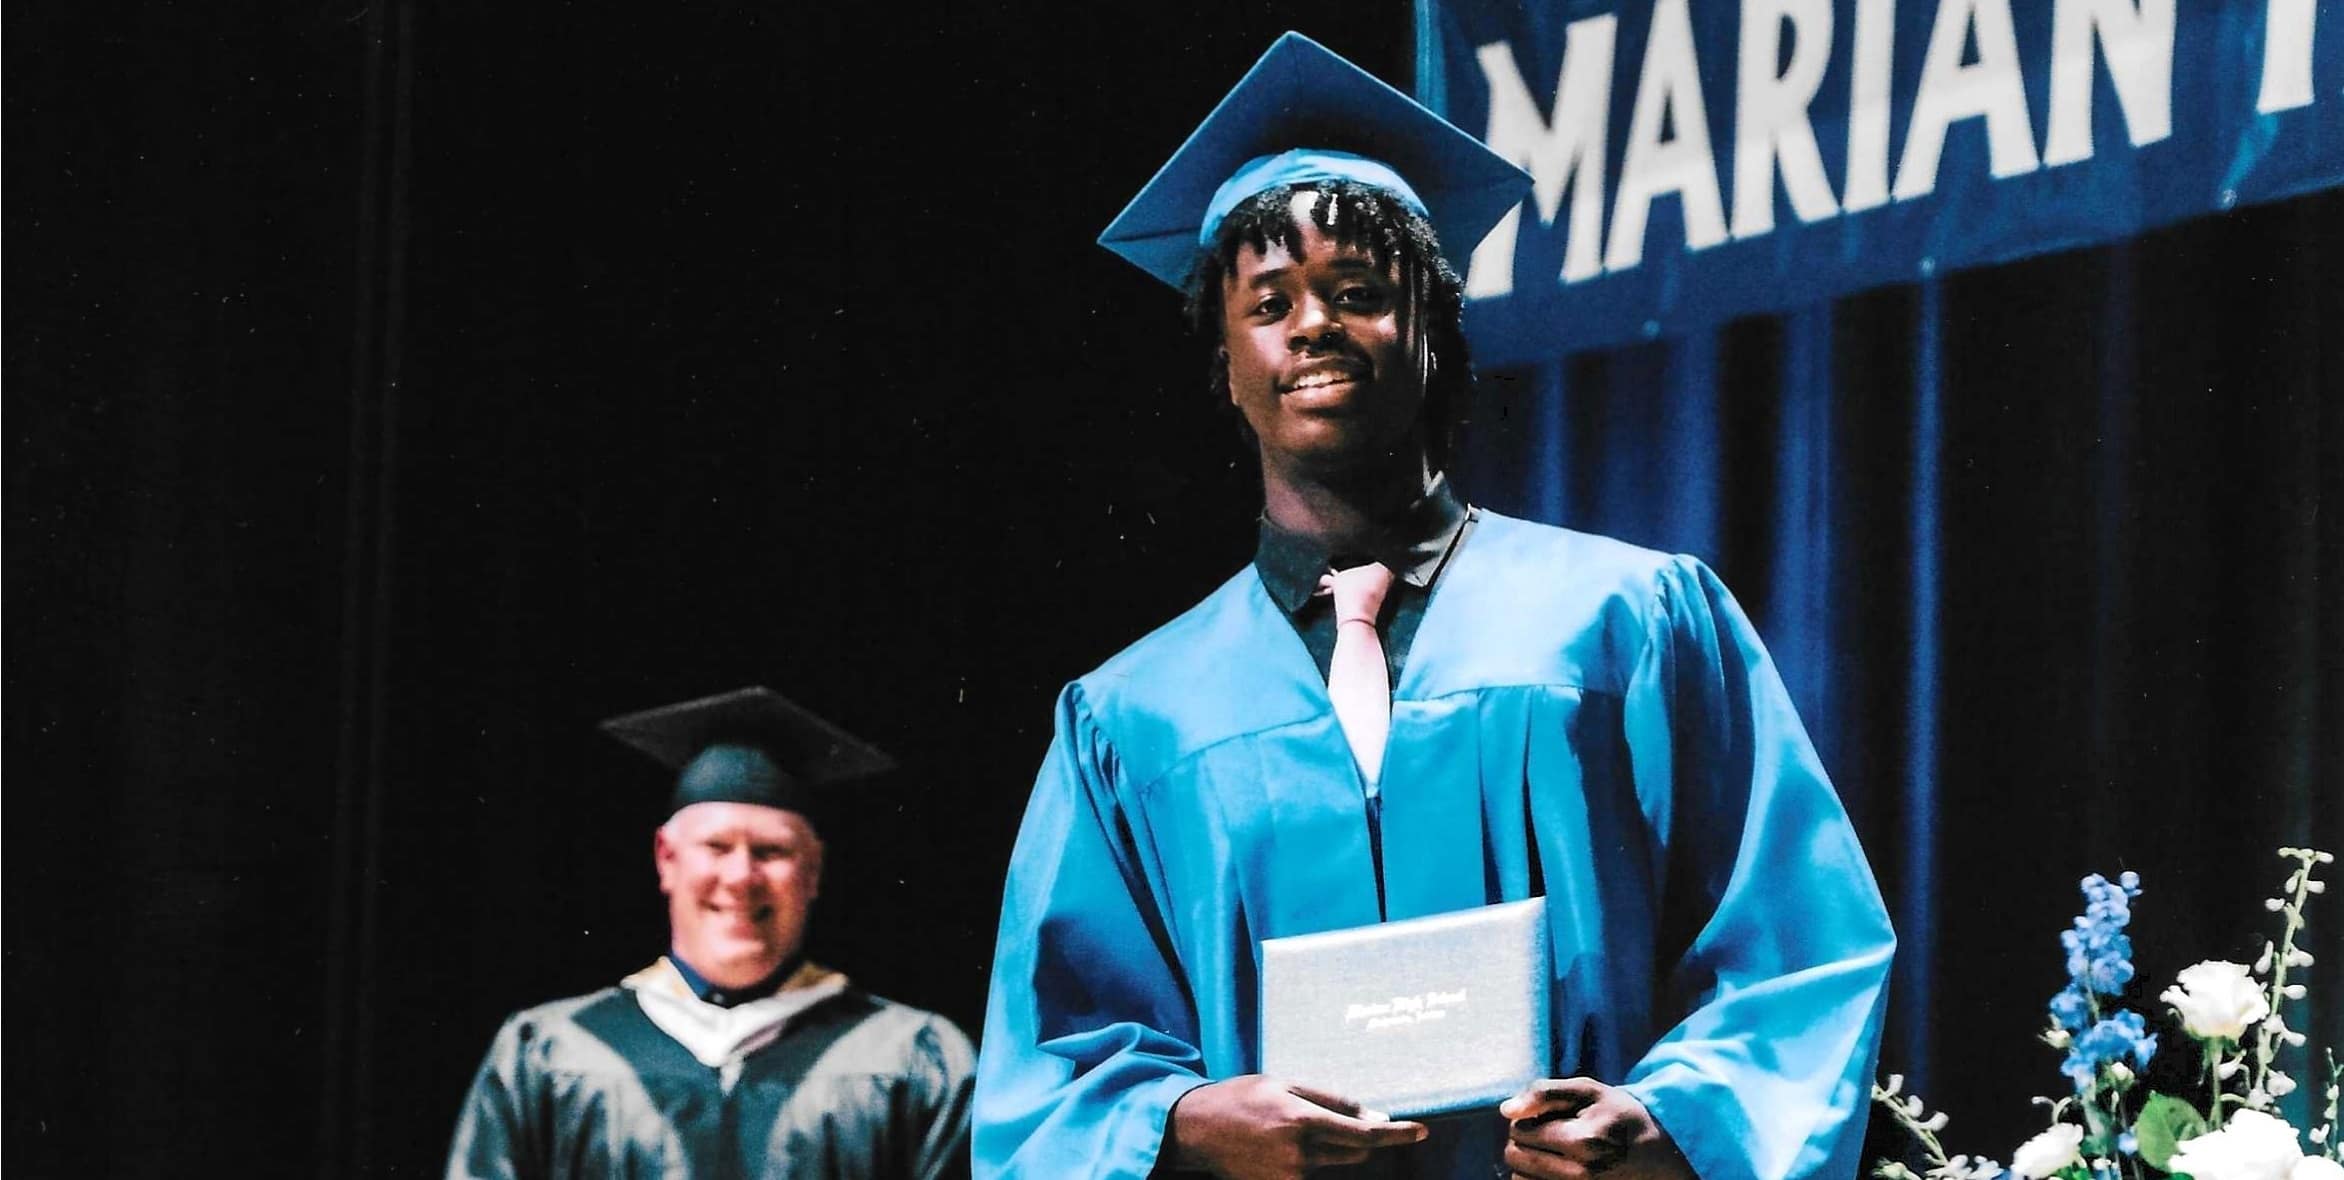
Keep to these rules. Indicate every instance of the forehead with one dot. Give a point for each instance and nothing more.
(703, 820)
(1313, 248)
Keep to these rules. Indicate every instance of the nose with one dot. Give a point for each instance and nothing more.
(1314, 325)
(734, 868)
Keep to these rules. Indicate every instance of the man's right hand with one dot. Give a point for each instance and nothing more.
(1259, 1128)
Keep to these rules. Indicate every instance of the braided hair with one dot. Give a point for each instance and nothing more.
(1370, 219)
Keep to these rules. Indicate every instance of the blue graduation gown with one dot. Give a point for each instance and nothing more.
(1577, 717)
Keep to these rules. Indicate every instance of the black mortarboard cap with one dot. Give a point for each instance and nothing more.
(751, 745)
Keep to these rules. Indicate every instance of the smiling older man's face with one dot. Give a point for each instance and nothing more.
(740, 879)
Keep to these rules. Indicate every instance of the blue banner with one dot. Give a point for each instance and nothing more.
(1697, 160)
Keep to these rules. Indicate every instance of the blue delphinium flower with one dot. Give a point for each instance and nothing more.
(2099, 953)
(2070, 1010)
(2099, 963)
(2113, 1039)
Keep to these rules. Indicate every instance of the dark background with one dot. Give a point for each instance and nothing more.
(394, 390)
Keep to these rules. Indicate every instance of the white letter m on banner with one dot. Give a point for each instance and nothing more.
(1566, 153)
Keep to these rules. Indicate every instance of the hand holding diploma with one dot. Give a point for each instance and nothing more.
(1575, 1128)
(1259, 1128)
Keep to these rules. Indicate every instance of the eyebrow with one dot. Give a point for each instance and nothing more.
(1346, 262)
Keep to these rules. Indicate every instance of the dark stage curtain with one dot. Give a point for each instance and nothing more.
(2042, 554)
(395, 388)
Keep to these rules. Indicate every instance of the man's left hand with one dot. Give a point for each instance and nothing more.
(1579, 1128)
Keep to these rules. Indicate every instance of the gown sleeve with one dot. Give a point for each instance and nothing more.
(1774, 945)
(1090, 1030)
(490, 1139)
(939, 1081)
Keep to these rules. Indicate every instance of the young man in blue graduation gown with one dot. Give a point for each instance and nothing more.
(731, 1056)
(1561, 715)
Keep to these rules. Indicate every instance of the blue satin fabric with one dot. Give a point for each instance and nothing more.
(1302, 166)
(1578, 717)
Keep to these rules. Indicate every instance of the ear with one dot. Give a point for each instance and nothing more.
(663, 858)
(817, 854)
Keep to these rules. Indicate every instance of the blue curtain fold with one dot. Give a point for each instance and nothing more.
(2040, 552)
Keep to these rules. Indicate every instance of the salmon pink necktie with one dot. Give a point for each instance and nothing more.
(1357, 681)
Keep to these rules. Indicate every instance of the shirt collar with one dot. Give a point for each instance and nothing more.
(1415, 543)
(728, 997)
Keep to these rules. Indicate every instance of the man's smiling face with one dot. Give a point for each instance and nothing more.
(740, 879)
(1318, 360)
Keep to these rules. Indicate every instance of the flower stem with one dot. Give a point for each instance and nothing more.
(2265, 1046)
(2214, 1047)
(2335, 1145)
(1927, 1138)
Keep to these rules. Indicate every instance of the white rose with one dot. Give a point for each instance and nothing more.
(2050, 1151)
(2317, 1167)
(2251, 1146)
(2217, 999)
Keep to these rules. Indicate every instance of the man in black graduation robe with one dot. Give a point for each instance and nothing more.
(731, 1056)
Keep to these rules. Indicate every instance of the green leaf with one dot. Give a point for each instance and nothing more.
(2165, 1123)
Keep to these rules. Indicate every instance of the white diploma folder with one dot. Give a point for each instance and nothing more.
(1417, 1018)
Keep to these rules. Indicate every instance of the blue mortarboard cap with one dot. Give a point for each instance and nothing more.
(1302, 113)
(752, 745)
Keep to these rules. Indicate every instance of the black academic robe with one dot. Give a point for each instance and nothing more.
(852, 1087)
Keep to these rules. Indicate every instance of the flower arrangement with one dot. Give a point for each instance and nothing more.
(2108, 1128)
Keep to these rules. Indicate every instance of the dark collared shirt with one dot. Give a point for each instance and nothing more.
(724, 997)
(1417, 543)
